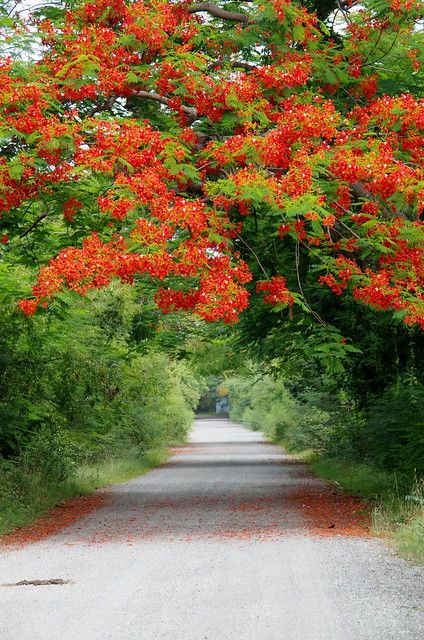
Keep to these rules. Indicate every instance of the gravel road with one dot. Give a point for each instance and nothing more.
(209, 547)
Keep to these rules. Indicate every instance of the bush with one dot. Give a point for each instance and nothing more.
(395, 427)
(272, 410)
(239, 395)
(312, 429)
(267, 405)
(155, 403)
(49, 454)
(78, 386)
(327, 425)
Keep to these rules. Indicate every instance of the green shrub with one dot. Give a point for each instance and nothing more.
(312, 429)
(327, 425)
(155, 403)
(49, 454)
(239, 394)
(80, 386)
(395, 427)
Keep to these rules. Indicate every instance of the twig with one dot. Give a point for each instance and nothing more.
(299, 282)
(105, 106)
(152, 95)
(33, 225)
(255, 255)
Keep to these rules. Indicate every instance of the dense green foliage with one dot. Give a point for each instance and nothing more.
(83, 386)
(84, 378)
(387, 433)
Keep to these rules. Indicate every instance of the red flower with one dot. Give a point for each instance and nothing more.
(29, 307)
(276, 291)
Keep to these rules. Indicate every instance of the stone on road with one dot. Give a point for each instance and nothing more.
(209, 546)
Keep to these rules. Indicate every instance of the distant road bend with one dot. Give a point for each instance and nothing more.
(217, 544)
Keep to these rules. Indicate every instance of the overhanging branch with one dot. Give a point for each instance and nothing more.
(152, 95)
(359, 190)
(217, 12)
(245, 66)
(33, 225)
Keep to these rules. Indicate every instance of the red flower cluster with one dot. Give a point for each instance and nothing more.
(276, 291)
(257, 119)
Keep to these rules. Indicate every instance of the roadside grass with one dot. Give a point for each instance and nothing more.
(23, 502)
(356, 477)
(402, 518)
(397, 504)
(92, 476)
(410, 539)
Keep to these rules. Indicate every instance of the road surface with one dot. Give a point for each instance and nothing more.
(209, 546)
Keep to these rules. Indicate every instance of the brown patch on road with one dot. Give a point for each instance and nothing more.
(59, 517)
(330, 512)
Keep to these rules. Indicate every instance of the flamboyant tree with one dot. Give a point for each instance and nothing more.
(158, 140)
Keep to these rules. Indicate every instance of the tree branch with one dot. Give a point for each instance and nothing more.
(359, 190)
(105, 106)
(255, 255)
(218, 12)
(33, 225)
(299, 284)
(152, 95)
(233, 64)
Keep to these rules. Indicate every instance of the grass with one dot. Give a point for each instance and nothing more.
(92, 476)
(21, 504)
(402, 518)
(356, 477)
(410, 540)
(398, 506)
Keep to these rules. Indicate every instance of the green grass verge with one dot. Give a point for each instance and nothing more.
(93, 476)
(22, 504)
(409, 539)
(355, 477)
(397, 506)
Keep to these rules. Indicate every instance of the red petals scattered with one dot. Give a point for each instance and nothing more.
(331, 513)
(63, 515)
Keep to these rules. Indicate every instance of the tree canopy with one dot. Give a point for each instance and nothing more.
(216, 151)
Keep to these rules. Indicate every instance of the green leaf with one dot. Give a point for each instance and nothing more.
(16, 170)
(299, 33)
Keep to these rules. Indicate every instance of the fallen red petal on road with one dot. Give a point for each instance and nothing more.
(63, 515)
(330, 513)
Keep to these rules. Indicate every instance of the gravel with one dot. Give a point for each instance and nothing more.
(209, 547)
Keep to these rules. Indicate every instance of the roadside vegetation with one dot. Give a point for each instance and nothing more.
(87, 397)
(375, 452)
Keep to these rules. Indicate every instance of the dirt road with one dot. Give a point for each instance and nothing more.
(229, 540)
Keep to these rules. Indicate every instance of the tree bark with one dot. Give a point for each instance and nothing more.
(218, 12)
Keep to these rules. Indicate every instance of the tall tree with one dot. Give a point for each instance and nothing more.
(198, 145)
